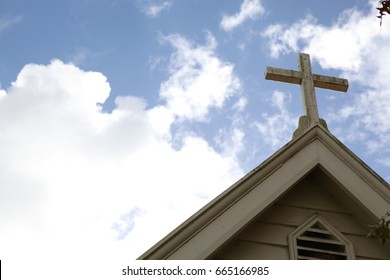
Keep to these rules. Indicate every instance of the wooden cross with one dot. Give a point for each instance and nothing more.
(308, 82)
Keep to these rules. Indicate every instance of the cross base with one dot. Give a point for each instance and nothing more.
(304, 124)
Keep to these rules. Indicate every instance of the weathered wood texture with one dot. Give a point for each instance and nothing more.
(266, 236)
(295, 77)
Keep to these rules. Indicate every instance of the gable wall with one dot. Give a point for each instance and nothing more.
(267, 236)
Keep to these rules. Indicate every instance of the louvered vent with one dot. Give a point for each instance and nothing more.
(316, 239)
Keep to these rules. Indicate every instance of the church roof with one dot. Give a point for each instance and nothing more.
(217, 222)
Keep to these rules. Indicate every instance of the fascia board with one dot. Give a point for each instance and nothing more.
(359, 182)
(355, 163)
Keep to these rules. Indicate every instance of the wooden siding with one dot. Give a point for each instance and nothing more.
(266, 236)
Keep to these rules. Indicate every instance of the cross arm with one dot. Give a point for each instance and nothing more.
(283, 75)
(295, 77)
(332, 83)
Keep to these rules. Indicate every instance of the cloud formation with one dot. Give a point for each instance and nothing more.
(154, 10)
(249, 10)
(77, 179)
(198, 79)
(6, 22)
(275, 129)
(353, 32)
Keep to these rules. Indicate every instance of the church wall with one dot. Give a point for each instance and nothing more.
(267, 236)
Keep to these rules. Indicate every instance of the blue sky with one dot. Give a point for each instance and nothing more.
(120, 118)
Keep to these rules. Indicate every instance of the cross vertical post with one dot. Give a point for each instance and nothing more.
(308, 93)
(308, 81)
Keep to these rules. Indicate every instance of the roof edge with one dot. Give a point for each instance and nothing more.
(206, 214)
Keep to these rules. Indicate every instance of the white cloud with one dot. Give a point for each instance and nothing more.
(3, 93)
(356, 45)
(80, 56)
(199, 80)
(231, 141)
(277, 129)
(80, 186)
(154, 9)
(241, 104)
(340, 46)
(284, 39)
(250, 9)
(6, 22)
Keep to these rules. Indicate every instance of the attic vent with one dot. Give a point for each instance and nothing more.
(316, 239)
